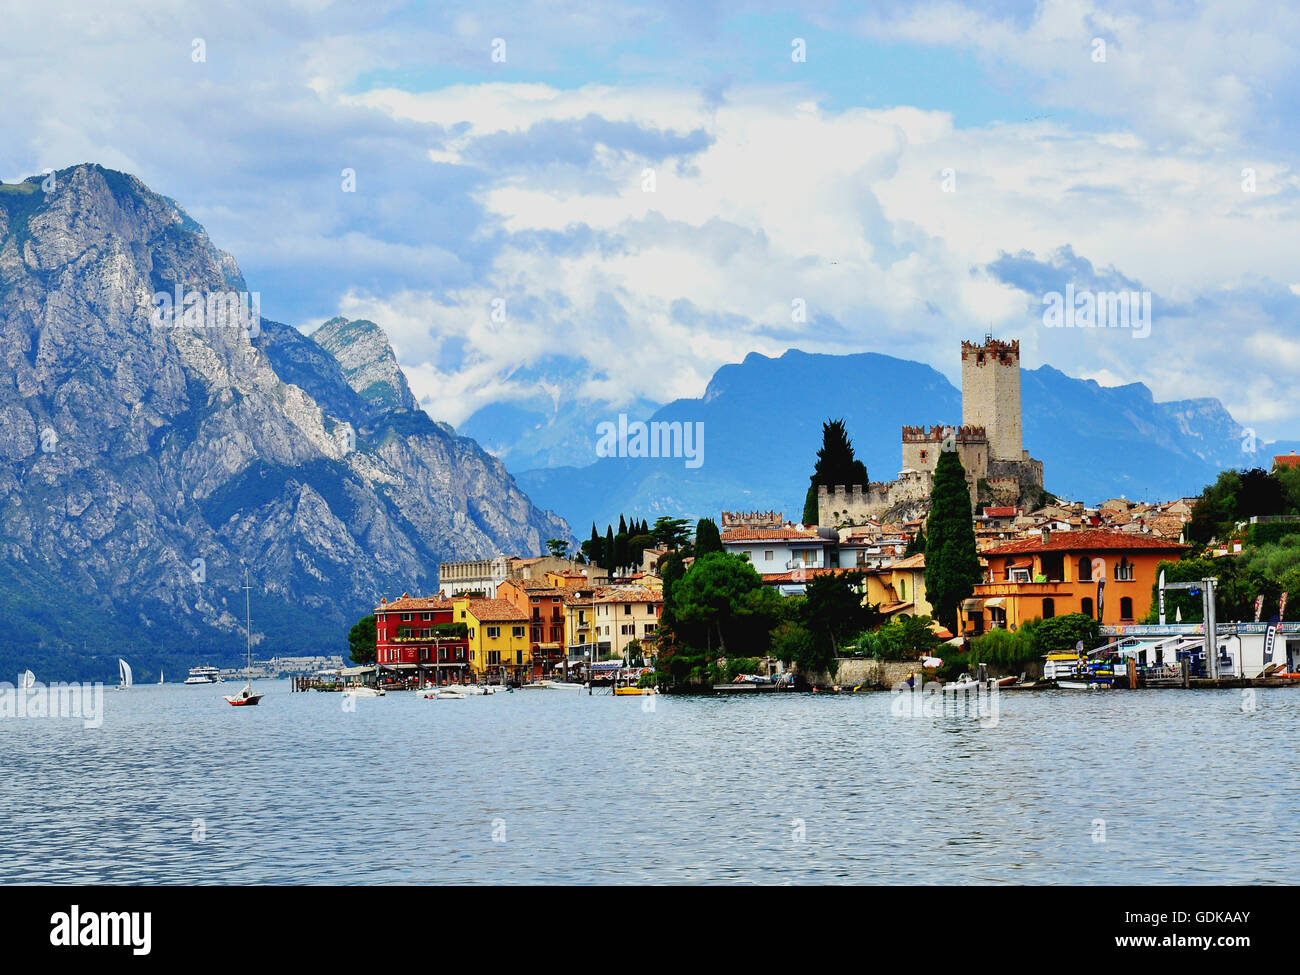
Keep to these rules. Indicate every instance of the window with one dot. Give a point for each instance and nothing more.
(517, 632)
(1125, 608)
(493, 632)
(460, 653)
(519, 656)
(1085, 606)
(1085, 569)
(649, 629)
(627, 609)
(494, 657)
(1049, 608)
(426, 633)
(628, 629)
(406, 617)
(862, 557)
(767, 555)
(426, 617)
(902, 589)
(1124, 572)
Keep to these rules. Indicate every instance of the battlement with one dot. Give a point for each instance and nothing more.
(939, 432)
(992, 350)
(754, 519)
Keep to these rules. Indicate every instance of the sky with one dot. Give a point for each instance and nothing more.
(611, 200)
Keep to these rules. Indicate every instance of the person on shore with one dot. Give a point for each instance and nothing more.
(911, 680)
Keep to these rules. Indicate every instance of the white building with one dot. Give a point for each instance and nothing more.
(774, 551)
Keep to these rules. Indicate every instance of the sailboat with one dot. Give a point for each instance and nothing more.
(29, 679)
(123, 674)
(246, 696)
(160, 676)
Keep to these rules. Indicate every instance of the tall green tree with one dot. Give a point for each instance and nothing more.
(610, 562)
(670, 533)
(722, 599)
(917, 545)
(952, 567)
(594, 547)
(707, 537)
(833, 609)
(622, 554)
(836, 464)
(557, 548)
(361, 641)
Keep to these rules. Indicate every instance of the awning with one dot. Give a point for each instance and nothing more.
(995, 601)
(972, 605)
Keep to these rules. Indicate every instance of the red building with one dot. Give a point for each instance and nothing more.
(544, 604)
(415, 638)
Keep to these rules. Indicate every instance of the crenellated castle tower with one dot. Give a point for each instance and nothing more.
(998, 468)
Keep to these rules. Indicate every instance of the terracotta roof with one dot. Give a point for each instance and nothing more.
(1287, 460)
(1087, 540)
(493, 610)
(911, 562)
(532, 585)
(768, 534)
(773, 577)
(1003, 512)
(405, 603)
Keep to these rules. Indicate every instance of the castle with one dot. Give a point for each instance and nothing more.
(988, 443)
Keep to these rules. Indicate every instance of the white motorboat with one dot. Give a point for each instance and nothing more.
(204, 675)
(562, 685)
(365, 692)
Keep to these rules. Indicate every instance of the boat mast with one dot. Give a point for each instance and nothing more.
(248, 631)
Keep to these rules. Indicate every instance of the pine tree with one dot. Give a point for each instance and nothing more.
(707, 538)
(836, 464)
(952, 567)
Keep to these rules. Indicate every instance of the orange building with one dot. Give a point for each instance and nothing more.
(543, 605)
(1061, 572)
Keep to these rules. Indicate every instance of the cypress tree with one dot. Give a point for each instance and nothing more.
(707, 538)
(622, 525)
(836, 464)
(596, 553)
(609, 550)
(952, 567)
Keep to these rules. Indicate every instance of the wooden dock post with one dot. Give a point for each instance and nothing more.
(1187, 673)
(1132, 673)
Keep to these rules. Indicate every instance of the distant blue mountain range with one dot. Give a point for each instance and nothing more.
(762, 427)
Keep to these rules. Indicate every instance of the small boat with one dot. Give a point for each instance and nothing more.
(160, 677)
(123, 674)
(632, 691)
(29, 679)
(472, 690)
(964, 683)
(246, 697)
(449, 693)
(565, 685)
(364, 692)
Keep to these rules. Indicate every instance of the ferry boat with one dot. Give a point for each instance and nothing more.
(204, 675)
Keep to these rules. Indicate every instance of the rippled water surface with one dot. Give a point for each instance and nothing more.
(1179, 786)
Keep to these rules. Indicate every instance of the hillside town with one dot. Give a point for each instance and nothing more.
(589, 616)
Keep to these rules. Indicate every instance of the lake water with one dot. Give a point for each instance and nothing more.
(1122, 787)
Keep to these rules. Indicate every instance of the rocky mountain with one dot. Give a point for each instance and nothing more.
(157, 435)
(762, 427)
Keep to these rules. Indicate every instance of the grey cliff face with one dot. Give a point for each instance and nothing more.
(147, 452)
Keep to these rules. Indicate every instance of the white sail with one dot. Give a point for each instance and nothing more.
(29, 679)
(160, 675)
(124, 672)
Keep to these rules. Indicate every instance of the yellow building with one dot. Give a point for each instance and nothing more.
(498, 638)
(611, 617)
(899, 587)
